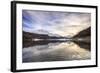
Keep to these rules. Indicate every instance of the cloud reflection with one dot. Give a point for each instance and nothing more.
(55, 52)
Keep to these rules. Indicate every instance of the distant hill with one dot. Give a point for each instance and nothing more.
(27, 36)
(28, 39)
(36, 35)
(84, 33)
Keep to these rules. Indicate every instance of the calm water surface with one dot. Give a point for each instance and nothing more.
(59, 51)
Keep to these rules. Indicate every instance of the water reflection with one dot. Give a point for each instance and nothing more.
(58, 51)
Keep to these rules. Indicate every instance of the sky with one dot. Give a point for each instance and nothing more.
(54, 23)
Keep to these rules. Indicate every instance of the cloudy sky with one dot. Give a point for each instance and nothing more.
(53, 23)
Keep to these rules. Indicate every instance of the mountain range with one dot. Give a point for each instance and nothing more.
(28, 38)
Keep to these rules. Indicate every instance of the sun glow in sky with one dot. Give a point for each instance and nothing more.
(55, 23)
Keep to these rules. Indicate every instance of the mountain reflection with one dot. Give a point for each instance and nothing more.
(56, 51)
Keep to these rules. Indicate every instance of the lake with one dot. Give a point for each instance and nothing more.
(56, 51)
